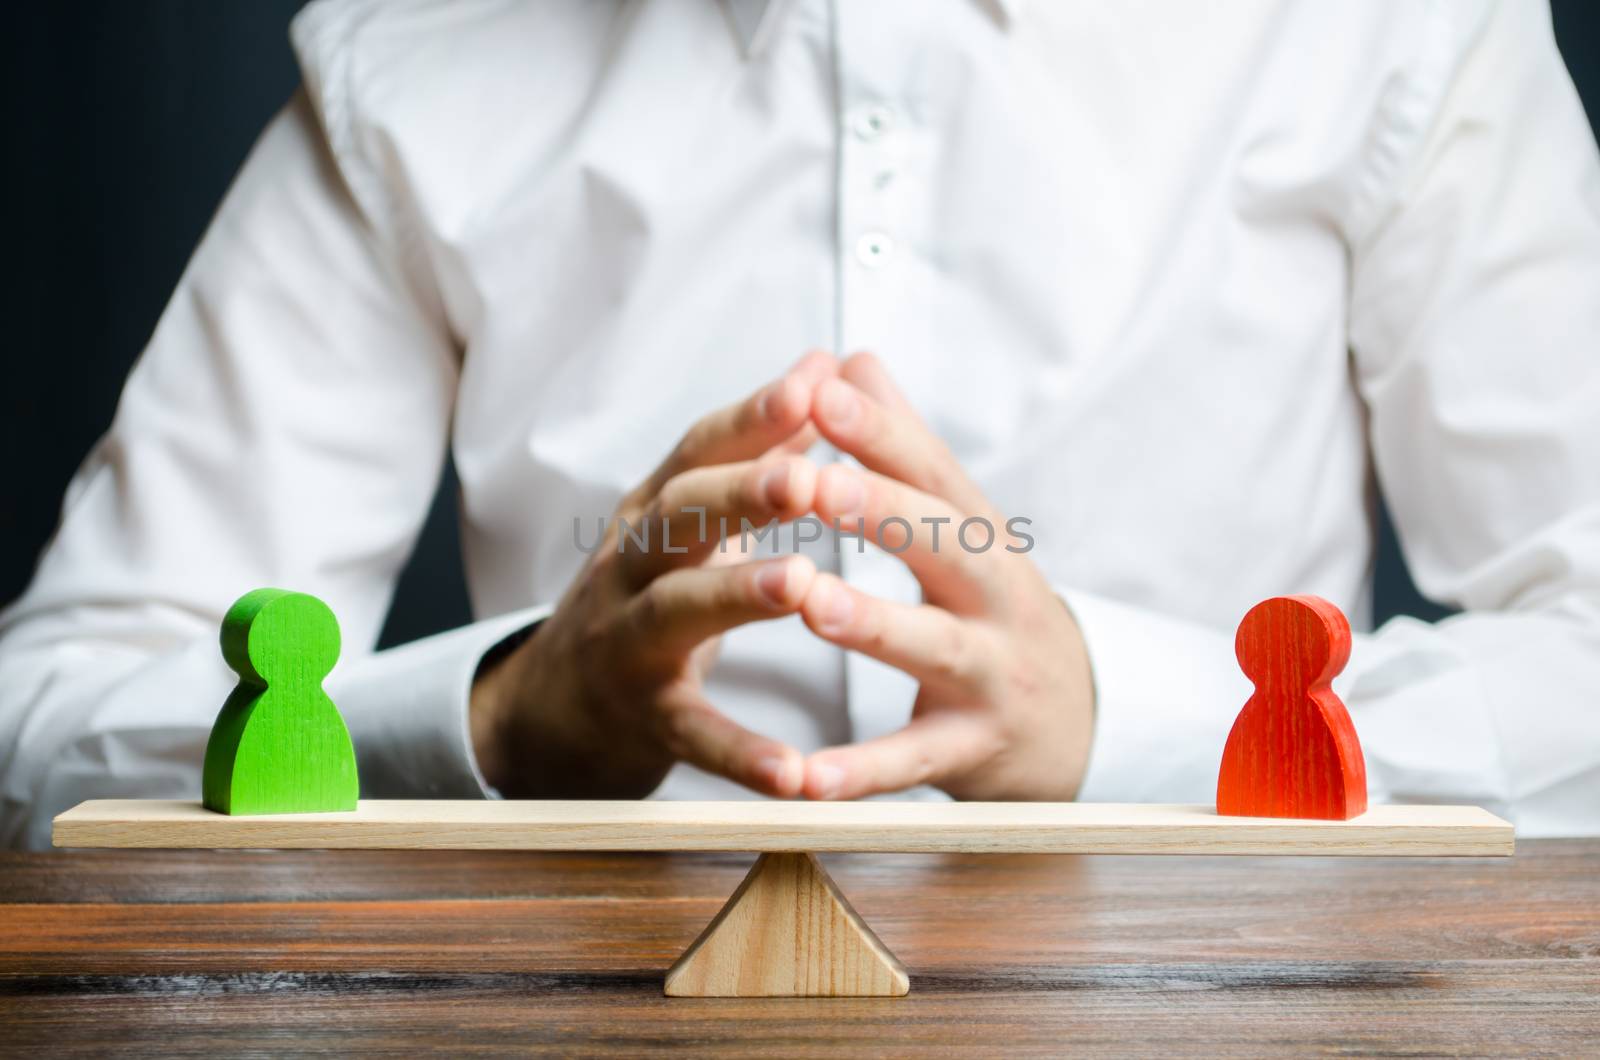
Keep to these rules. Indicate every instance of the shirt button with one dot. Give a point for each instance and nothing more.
(873, 121)
(874, 249)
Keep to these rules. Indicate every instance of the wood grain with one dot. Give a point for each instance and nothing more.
(1044, 828)
(201, 953)
(787, 932)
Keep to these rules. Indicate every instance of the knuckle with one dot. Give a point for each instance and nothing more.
(870, 632)
(591, 634)
(695, 440)
(739, 591)
(693, 496)
(676, 726)
(594, 650)
(954, 656)
(683, 732)
(752, 411)
(649, 610)
(1025, 681)
(674, 729)
(895, 532)
(1004, 730)
(973, 567)
(672, 492)
(605, 568)
(634, 501)
(873, 422)
(939, 477)
(749, 494)
(729, 588)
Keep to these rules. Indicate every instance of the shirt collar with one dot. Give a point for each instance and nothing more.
(753, 20)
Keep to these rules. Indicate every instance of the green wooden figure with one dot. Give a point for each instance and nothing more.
(279, 745)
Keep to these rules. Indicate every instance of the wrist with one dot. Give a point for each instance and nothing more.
(1081, 705)
(490, 706)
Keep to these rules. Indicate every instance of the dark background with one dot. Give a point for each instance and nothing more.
(126, 123)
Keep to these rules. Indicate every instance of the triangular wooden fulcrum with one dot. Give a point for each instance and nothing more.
(787, 932)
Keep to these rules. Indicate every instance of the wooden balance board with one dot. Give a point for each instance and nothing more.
(787, 931)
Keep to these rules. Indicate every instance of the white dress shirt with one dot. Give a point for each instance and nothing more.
(1177, 284)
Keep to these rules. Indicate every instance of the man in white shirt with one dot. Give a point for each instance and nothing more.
(1178, 291)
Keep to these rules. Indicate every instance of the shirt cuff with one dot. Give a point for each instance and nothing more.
(1166, 693)
(406, 709)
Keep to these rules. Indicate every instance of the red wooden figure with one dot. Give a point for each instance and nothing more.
(1293, 750)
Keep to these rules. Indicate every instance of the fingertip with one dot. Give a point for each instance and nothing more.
(798, 574)
(861, 360)
(815, 364)
(802, 494)
(785, 583)
(788, 485)
(866, 370)
(839, 492)
(781, 773)
(836, 405)
(776, 486)
(786, 402)
(824, 779)
(828, 607)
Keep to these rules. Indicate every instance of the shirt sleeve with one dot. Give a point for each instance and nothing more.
(1475, 330)
(285, 426)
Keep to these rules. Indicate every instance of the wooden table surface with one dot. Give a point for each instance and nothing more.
(229, 952)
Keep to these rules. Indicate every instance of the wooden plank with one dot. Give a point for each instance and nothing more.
(890, 827)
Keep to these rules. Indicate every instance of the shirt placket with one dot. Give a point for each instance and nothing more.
(879, 183)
